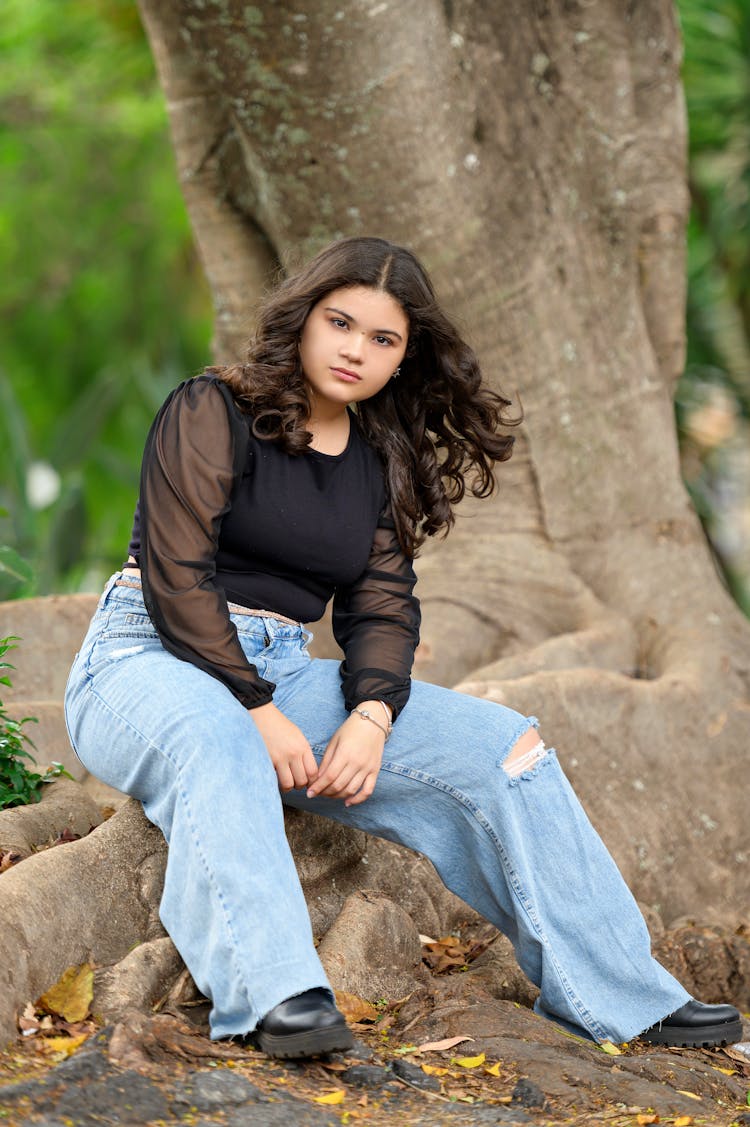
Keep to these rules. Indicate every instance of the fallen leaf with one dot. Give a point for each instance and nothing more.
(437, 1046)
(494, 1069)
(71, 996)
(690, 1095)
(64, 1045)
(66, 836)
(355, 1008)
(7, 860)
(28, 1022)
(642, 1120)
(469, 1062)
(613, 1051)
(683, 1121)
(334, 1097)
(726, 1071)
(434, 1070)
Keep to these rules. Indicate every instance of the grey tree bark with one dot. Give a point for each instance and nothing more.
(533, 155)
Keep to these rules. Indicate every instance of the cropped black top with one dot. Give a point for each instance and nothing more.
(225, 516)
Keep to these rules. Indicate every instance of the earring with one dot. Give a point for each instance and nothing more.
(396, 373)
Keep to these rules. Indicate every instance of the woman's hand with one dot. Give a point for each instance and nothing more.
(291, 754)
(349, 768)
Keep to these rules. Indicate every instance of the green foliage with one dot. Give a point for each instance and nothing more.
(713, 398)
(18, 784)
(102, 300)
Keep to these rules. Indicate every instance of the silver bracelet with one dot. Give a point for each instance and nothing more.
(366, 716)
(388, 716)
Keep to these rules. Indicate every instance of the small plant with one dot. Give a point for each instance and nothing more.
(18, 784)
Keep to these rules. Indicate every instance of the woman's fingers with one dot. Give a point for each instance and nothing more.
(365, 790)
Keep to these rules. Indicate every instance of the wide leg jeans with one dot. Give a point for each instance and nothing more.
(520, 850)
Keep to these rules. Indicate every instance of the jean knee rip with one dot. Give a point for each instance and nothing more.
(526, 764)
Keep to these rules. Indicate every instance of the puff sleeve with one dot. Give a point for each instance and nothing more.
(194, 456)
(376, 622)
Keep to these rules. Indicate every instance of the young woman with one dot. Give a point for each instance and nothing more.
(314, 471)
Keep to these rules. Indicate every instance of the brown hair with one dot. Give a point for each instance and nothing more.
(433, 427)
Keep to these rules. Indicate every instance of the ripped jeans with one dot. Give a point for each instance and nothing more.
(507, 835)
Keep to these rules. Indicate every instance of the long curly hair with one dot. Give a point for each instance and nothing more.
(436, 428)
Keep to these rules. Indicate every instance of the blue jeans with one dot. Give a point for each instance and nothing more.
(520, 850)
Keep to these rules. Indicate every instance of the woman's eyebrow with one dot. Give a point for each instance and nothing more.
(348, 317)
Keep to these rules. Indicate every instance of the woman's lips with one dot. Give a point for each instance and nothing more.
(345, 374)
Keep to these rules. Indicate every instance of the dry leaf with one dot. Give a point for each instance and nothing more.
(434, 1070)
(334, 1097)
(437, 1046)
(643, 1120)
(64, 1045)
(690, 1095)
(726, 1071)
(683, 1121)
(71, 996)
(469, 1062)
(613, 1051)
(355, 1008)
(28, 1022)
(494, 1069)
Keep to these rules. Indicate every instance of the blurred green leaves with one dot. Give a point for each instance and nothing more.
(102, 301)
(713, 398)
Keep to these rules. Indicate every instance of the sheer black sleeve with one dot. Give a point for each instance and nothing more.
(376, 623)
(194, 455)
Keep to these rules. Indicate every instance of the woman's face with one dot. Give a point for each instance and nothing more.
(352, 343)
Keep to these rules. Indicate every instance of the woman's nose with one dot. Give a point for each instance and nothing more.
(353, 346)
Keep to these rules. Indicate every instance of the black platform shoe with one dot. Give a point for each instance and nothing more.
(303, 1026)
(697, 1025)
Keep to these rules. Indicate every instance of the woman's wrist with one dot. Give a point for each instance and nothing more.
(377, 712)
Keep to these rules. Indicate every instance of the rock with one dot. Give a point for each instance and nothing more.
(528, 1094)
(51, 629)
(213, 1090)
(411, 881)
(64, 805)
(112, 880)
(113, 1097)
(497, 969)
(414, 1075)
(712, 962)
(569, 1070)
(137, 981)
(368, 1076)
(373, 949)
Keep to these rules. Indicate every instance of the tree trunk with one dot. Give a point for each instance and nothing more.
(533, 155)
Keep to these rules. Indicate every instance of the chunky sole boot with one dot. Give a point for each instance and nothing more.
(303, 1026)
(697, 1025)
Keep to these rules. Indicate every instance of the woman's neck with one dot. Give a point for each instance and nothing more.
(330, 435)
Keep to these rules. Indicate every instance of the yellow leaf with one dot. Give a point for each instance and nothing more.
(355, 1008)
(613, 1051)
(65, 1045)
(683, 1121)
(334, 1097)
(643, 1120)
(726, 1071)
(71, 996)
(494, 1069)
(433, 1070)
(690, 1095)
(469, 1062)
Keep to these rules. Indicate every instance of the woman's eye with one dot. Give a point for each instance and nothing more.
(384, 340)
(339, 323)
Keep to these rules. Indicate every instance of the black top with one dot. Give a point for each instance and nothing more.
(225, 516)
